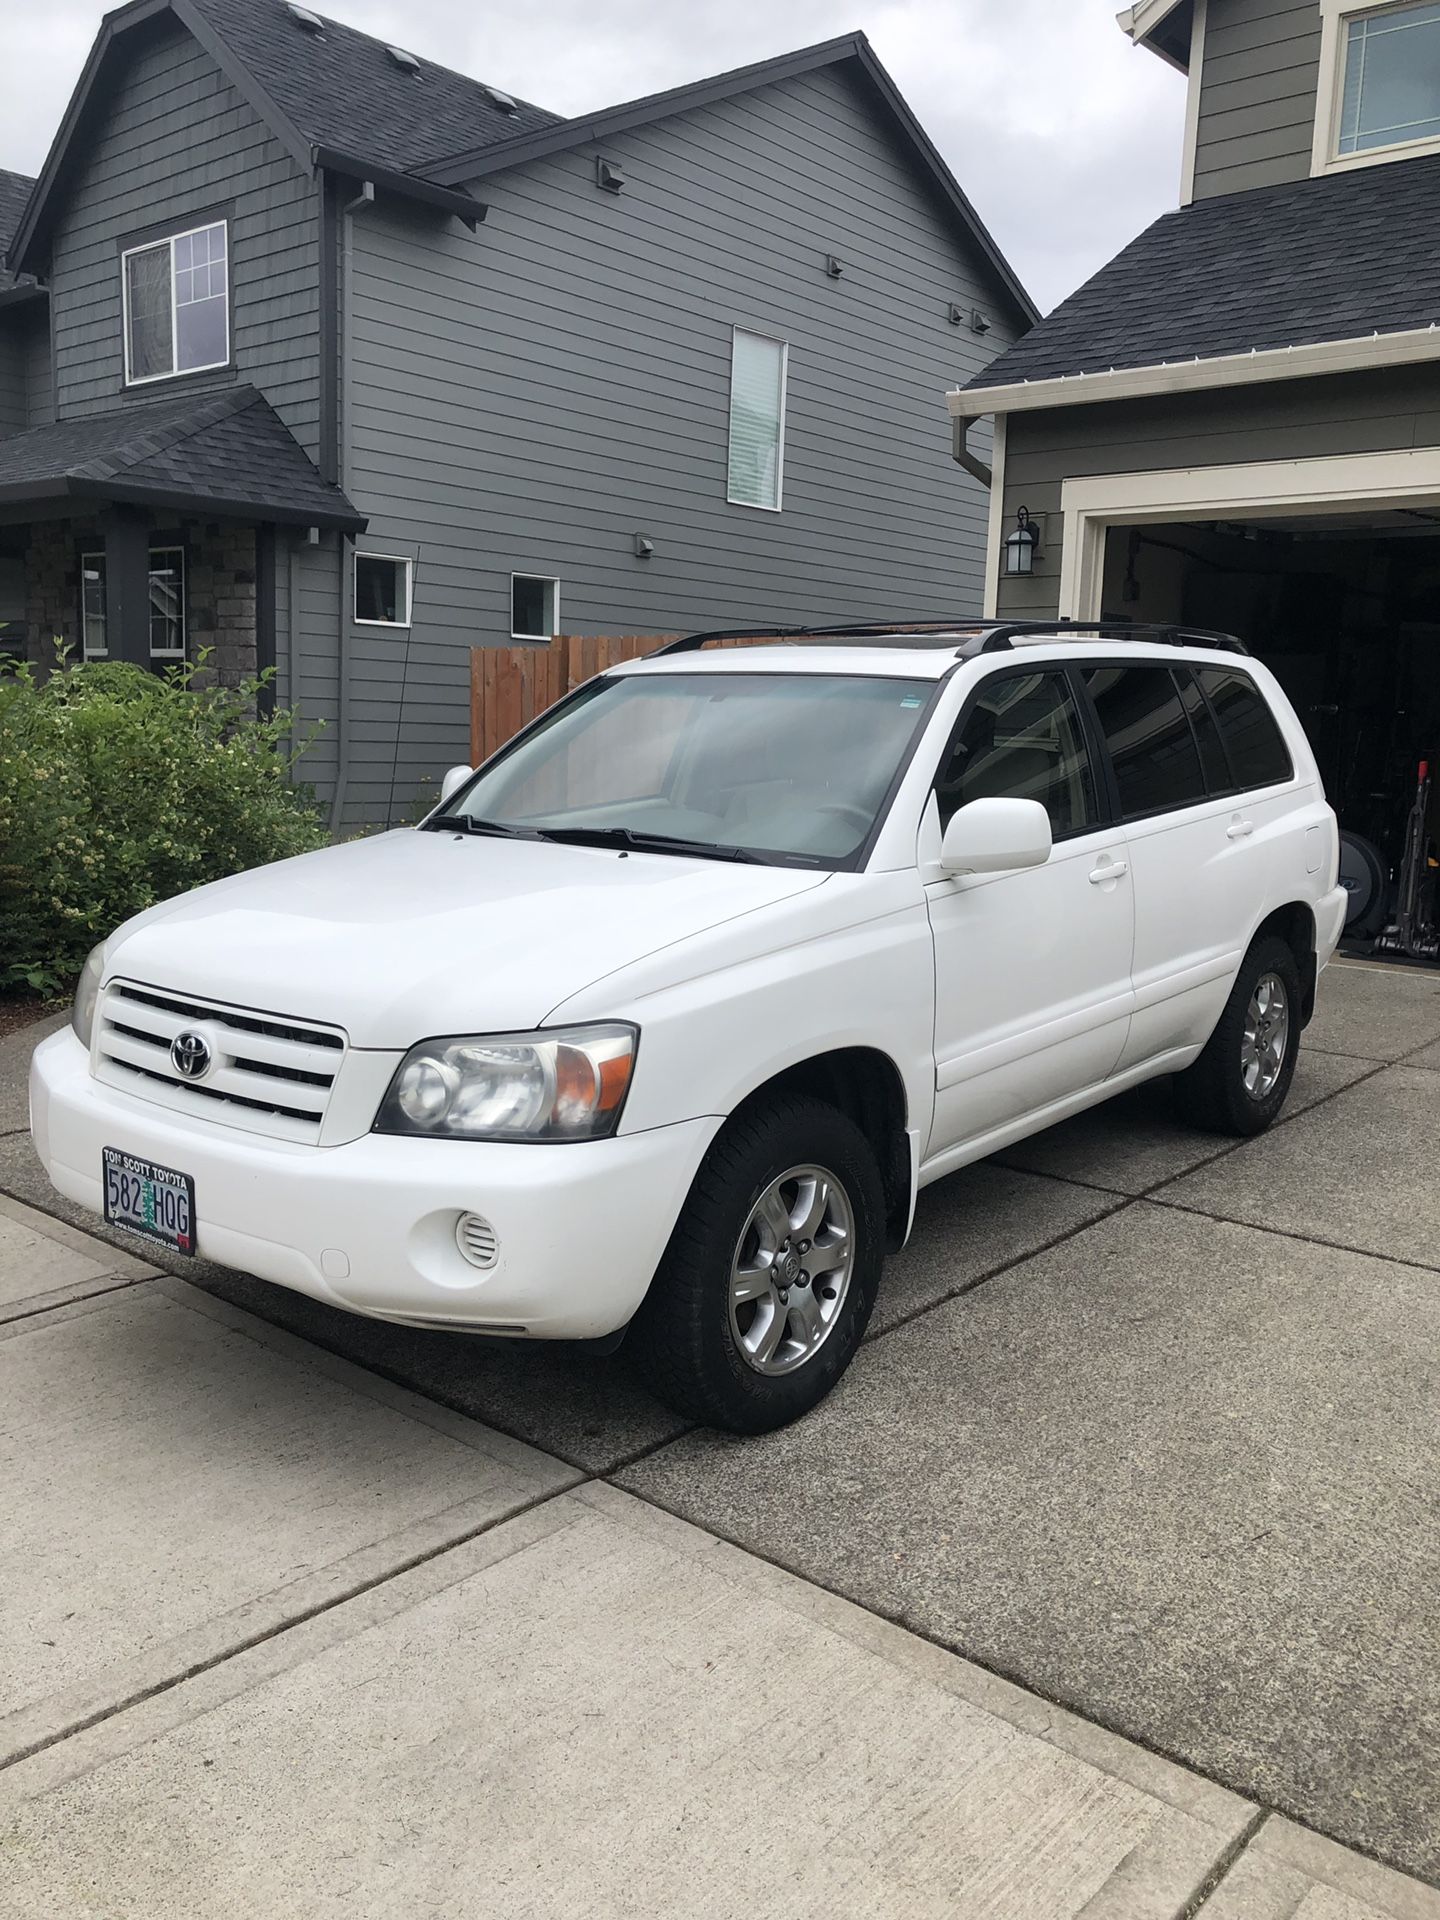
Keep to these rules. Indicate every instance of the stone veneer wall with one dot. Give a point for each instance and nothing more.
(219, 588)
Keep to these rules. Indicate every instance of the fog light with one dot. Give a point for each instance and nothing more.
(476, 1240)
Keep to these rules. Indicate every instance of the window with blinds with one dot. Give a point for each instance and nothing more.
(757, 421)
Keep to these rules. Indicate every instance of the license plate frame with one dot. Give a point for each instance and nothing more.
(155, 1202)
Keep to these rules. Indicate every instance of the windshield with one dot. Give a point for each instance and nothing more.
(776, 767)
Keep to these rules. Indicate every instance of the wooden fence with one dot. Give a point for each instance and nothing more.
(510, 685)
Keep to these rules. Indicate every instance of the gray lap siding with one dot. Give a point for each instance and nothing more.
(1258, 94)
(178, 143)
(1292, 420)
(531, 397)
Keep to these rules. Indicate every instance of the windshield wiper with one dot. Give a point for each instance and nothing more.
(646, 843)
(462, 823)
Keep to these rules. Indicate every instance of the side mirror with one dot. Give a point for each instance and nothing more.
(996, 836)
(453, 781)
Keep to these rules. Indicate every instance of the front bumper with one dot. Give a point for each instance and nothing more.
(370, 1225)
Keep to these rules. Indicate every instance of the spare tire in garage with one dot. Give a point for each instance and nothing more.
(1362, 874)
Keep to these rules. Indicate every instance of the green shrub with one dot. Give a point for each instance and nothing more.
(119, 788)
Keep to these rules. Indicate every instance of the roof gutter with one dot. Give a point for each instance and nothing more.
(1308, 362)
(71, 486)
(463, 206)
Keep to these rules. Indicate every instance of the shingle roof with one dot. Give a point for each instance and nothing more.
(1336, 258)
(14, 192)
(341, 89)
(221, 453)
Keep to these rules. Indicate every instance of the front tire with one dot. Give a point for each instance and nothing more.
(1239, 1083)
(770, 1277)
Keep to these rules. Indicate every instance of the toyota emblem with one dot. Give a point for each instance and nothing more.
(190, 1055)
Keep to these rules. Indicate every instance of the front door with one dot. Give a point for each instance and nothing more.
(1032, 968)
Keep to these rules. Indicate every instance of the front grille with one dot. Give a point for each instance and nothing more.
(266, 1074)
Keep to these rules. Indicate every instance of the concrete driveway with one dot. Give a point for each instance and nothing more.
(1139, 1464)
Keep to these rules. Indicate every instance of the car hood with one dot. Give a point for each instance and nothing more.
(412, 934)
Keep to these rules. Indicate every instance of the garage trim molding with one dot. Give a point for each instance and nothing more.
(1188, 376)
(1091, 504)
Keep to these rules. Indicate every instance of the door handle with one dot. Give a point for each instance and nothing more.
(1112, 870)
(1239, 829)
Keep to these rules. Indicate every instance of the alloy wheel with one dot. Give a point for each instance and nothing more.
(792, 1269)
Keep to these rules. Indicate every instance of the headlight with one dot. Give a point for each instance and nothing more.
(567, 1084)
(82, 1013)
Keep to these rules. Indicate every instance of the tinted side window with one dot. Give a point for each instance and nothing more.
(1156, 761)
(1022, 740)
(1207, 735)
(1258, 753)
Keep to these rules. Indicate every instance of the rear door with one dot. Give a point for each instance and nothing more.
(1199, 849)
(1032, 968)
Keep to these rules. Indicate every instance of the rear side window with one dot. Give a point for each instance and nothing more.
(1207, 735)
(1259, 756)
(1157, 764)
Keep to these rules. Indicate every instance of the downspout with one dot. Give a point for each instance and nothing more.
(340, 240)
(962, 455)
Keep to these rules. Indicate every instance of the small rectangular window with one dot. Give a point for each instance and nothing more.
(534, 607)
(1022, 740)
(382, 590)
(92, 606)
(167, 605)
(1259, 756)
(1391, 90)
(757, 421)
(177, 304)
(1157, 764)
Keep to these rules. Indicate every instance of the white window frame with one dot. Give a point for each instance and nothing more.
(87, 652)
(149, 246)
(172, 653)
(1325, 156)
(401, 560)
(550, 580)
(772, 340)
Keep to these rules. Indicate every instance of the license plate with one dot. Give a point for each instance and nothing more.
(154, 1201)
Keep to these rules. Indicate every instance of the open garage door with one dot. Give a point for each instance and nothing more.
(1345, 610)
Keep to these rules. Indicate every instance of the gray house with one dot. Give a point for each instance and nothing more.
(1237, 422)
(318, 354)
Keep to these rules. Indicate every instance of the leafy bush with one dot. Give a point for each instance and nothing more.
(119, 788)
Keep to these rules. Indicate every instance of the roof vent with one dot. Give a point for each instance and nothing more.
(500, 99)
(404, 59)
(303, 17)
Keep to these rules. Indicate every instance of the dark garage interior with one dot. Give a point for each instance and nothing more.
(1346, 612)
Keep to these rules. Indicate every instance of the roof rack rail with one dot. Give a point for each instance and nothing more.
(1164, 633)
(898, 632)
(975, 636)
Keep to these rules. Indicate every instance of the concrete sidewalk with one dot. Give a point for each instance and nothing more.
(286, 1640)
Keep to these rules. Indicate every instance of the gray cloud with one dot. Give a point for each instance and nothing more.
(1065, 137)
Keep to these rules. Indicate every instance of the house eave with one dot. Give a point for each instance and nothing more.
(1143, 21)
(1307, 362)
(463, 206)
(66, 490)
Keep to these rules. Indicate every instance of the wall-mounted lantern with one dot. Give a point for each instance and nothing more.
(1022, 546)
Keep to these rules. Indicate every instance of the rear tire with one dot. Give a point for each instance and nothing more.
(770, 1277)
(1239, 1083)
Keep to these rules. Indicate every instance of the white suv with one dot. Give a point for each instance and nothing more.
(662, 1021)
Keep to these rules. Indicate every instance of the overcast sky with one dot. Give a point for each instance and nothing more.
(1065, 137)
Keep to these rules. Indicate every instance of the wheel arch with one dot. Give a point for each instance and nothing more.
(1295, 925)
(866, 1085)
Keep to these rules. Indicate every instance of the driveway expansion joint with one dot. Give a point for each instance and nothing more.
(1223, 1866)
